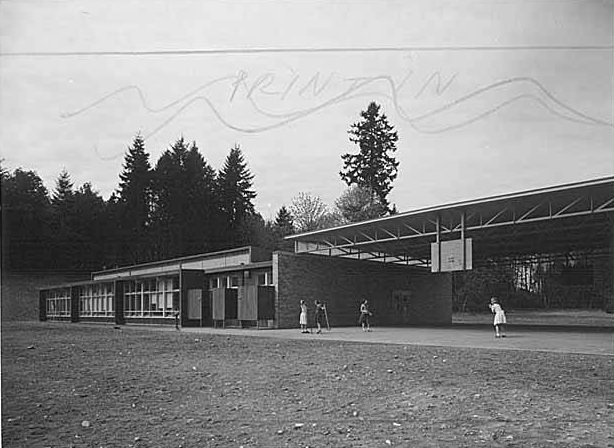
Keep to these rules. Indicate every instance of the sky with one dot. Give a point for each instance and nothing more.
(488, 97)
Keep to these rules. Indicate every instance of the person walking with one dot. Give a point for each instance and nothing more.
(500, 320)
(364, 316)
(303, 317)
(320, 314)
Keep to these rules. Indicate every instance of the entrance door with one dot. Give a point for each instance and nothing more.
(195, 297)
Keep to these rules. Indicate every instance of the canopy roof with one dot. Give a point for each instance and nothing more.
(572, 218)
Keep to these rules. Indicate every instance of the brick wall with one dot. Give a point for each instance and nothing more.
(398, 295)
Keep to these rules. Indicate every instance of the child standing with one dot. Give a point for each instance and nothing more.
(319, 315)
(303, 317)
(500, 320)
(364, 316)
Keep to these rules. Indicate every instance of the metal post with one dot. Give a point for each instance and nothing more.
(463, 242)
(438, 240)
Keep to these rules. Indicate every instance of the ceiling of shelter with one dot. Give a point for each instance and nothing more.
(576, 218)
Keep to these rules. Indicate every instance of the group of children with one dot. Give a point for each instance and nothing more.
(321, 316)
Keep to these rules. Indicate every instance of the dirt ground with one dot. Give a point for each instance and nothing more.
(74, 385)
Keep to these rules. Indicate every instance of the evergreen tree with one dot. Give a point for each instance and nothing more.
(235, 194)
(90, 228)
(134, 204)
(284, 222)
(170, 201)
(65, 240)
(63, 194)
(374, 167)
(203, 213)
(25, 221)
(186, 209)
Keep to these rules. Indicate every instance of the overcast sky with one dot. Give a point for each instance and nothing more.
(488, 97)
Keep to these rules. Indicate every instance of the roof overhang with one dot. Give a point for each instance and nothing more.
(571, 218)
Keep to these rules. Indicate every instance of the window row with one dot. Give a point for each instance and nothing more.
(58, 303)
(158, 297)
(234, 280)
(96, 300)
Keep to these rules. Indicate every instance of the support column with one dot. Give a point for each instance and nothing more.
(438, 242)
(463, 241)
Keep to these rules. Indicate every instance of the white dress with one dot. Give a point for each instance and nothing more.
(302, 320)
(499, 314)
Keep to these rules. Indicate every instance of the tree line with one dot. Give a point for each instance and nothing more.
(180, 206)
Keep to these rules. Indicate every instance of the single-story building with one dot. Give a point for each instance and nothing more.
(248, 287)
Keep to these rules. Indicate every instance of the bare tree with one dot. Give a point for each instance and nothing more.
(310, 213)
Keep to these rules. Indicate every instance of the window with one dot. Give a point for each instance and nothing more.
(234, 281)
(152, 297)
(58, 302)
(265, 278)
(213, 283)
(96, 300)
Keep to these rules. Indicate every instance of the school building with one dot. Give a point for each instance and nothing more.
(403, 264)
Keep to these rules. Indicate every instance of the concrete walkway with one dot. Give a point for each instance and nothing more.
(585, 342)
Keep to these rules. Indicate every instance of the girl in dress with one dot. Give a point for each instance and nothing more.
(500, 320)
(302, 320)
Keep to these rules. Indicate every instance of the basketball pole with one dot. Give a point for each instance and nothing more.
(326, 316)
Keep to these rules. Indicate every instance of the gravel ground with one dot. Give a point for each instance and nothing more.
(94, 386)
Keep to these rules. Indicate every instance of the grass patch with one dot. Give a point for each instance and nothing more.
(563, 317)
(90, 386)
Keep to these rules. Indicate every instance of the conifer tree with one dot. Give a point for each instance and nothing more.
(374, 167)
(284, 222)
(134, 202)
(65, 241)
(170, 201)
(186, 209)
(203, 213)
(25, 221)
(236, 196)
(90, 227)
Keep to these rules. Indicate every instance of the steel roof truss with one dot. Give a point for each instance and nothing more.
(416, 232)
(369, 238)
(567, 207)
(525, 215)
(604, 206)
(491, 220)
(389, 233)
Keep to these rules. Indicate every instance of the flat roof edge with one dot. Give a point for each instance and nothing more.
(247, 249)
(464, 203)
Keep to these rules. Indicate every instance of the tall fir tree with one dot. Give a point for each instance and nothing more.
(234, 189)
(186, 209)
(134, 202)
(90, 227)
(204, 211)
(65, 240)
(374, 167)
(25, 221)
(284, 221)
(170, 201)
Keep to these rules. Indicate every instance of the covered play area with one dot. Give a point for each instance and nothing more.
(568, 225)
